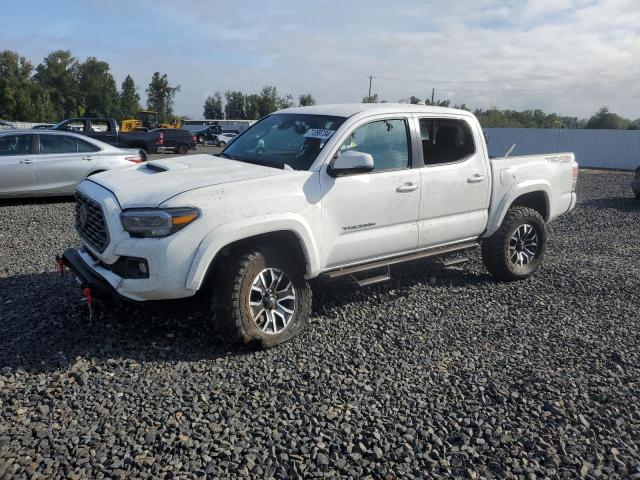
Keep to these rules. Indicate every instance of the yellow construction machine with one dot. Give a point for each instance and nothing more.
(146, 120)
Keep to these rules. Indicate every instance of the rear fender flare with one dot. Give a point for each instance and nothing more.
(497, 215)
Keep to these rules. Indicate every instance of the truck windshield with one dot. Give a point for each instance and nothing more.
(292, 139)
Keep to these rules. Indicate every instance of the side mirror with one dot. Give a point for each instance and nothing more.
(349, 162)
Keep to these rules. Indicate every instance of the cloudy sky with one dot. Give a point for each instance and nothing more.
(567, 56)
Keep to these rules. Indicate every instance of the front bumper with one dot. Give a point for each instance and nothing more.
(87, 277)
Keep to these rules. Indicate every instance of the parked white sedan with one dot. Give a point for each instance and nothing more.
(224, 138)
(36, 163)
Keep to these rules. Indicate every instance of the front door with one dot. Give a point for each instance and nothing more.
(17, 171)
(371, 215)
(455, 183)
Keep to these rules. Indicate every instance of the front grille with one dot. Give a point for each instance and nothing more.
(90, 223)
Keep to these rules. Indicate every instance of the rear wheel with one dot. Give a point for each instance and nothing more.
(222, 144)
(516, 250)
(183, 148)
(261, 296)
(201, 139)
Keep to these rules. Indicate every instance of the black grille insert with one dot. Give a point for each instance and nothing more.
(90, 223)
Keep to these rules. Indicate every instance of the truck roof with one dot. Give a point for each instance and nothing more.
(350, 109)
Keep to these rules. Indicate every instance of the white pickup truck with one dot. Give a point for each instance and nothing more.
(324, 190)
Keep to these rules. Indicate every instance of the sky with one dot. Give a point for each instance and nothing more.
(564, 56)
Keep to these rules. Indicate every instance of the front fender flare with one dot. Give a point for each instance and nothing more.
(244, 228)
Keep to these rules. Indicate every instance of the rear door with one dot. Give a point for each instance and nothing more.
(103, 130)
(456, 188)
(17, 169)
(60, 166)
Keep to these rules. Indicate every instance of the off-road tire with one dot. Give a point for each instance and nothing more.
(230, 296)
(183, 149)
(495, 253)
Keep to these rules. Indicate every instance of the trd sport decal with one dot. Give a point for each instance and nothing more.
(361, 225)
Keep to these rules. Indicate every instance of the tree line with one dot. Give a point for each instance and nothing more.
(62, 87)
(241, 106)
(494, 117)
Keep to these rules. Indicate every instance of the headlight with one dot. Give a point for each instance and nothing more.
(155, 223)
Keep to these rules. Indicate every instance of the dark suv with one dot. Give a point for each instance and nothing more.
(175, 140)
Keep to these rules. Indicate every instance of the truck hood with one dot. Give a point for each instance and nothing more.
(154, 182)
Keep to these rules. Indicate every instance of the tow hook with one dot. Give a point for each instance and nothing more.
(88, 296)
(60, 263)
(86, 290)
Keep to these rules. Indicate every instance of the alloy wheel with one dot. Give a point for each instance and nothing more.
(272, 301)
(523, 245)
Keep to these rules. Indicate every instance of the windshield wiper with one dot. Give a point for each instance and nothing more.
(260, 162)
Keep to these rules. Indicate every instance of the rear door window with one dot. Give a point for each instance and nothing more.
(445, 140)
(86, 147)
(15, 145)
(51, 144)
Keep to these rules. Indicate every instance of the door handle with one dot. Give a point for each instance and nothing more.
(407, 187)
(477, 178)
(26, 161)
(87, 159)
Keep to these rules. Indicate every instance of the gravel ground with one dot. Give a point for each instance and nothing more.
(439, 373)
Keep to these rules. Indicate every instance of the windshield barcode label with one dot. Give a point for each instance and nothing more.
(318, 133)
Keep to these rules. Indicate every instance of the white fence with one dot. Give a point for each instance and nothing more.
(619, 149)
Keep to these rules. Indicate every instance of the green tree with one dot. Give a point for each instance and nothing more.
(16, 87)
(160, 96)
(44, 110)
(213, 106)
(58, 74)
(129, 99)
(98, 94)
(268, 100)
(438, 102)
(252, 106)
(604, 119)
(235, 104)
(285, 102)
(372, 99)
(306, 100)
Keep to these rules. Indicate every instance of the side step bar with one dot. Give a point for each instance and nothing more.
(430, 252)
(373, 279)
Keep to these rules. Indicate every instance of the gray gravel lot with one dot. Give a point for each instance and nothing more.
(440, 372)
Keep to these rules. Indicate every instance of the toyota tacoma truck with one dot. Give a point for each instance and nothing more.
(307, 192)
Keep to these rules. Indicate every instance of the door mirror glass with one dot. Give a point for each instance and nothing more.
(351, 161)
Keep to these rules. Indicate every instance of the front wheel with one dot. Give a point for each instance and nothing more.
(261, 296)
(201, 139)
(222, 144)
(516, 249)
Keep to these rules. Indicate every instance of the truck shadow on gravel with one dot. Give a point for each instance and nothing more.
(625, 204)
(45, 323)
(13, 202)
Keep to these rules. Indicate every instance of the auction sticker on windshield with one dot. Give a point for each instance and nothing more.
(318, 133)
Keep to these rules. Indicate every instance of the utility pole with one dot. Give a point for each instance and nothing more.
(433, 92)
(371, 77)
